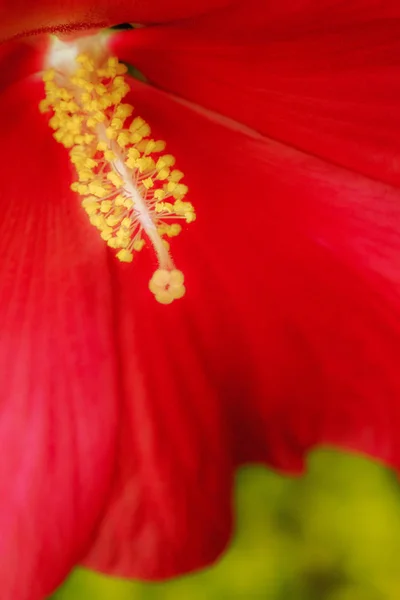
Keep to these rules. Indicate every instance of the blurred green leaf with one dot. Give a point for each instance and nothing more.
(334, 534)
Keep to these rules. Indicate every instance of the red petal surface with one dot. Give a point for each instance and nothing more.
(321, 78)
(58, 390)
(291, 320)
(23, 17)
(20, 59)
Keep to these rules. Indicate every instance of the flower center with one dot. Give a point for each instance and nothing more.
(130, 189)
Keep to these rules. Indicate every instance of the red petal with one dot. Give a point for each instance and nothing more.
(22, 17)
(19, 60)
(58, 390)
(291, 319)
(332, 91)
(170, 509)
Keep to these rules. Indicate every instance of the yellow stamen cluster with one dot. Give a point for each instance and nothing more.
(129, 187)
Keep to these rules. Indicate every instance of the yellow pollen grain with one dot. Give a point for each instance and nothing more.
(126, 182)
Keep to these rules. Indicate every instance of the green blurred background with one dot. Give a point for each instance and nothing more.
(334, 534)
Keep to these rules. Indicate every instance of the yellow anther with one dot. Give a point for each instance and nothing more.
(121, 69)
(190, 217)
(90, 207)
(83, 188)
(90, 163)
(89, 87)
(165, 161)
(117, 123)
(144, 130)
(174, 230)
(137, 123)
(123, 241)
(115, 179)
(163, 174)
(123, 111)
(138, 245)
(180, 191)
(149, 146)
(112, 61)
(81, 73)
(135, 137)
(113, 220)
(130, 162)
(98, 221)
(64, 94)
(100, 89)
(145, 164)
(85, 175)
(102, 146)
(88, 117)
(78, 151)
(44, 105)
(164, 207)
(111, 133)
(86, 97)
(89, 137)
(117, 95)
(48, 75)
(119, 82)
(99, 117)
(182, 207)
(113, 242)
(126, 222)
(86, 62)
(119, 200)
(148, 183)
(125, 255)
(55, 122)
(123, 139)
(160, 146)
(109, 155)
(93, 106)
(175, 175)
(97, 189)
(133, 153)
(69, 106)
(105, 206)
(51, 88)
(171, 185)
(106, 233)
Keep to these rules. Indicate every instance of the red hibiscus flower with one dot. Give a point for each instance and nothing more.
(122, 419)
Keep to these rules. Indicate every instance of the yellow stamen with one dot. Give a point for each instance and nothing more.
(129, 190)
